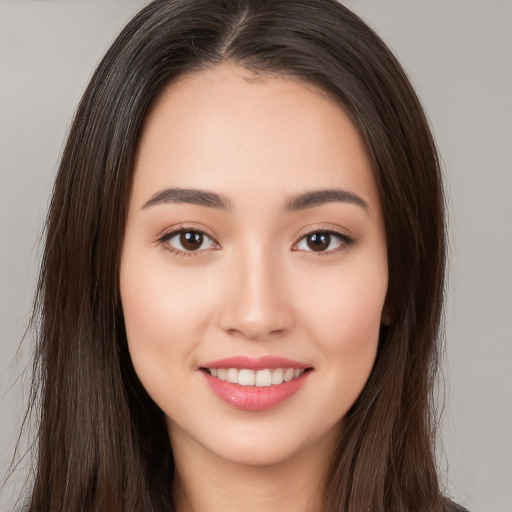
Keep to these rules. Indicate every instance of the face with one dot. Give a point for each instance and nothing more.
(254, 267)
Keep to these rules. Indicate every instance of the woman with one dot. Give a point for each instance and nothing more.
(243, 272)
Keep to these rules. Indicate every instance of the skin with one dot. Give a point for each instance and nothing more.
(257, 288)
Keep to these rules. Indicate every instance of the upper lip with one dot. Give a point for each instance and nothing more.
(255, 363)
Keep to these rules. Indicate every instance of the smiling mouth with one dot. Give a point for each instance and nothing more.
(259, 378)
(255, 384)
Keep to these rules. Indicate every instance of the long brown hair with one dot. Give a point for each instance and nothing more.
(102, 442)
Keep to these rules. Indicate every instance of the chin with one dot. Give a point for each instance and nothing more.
(260, 442)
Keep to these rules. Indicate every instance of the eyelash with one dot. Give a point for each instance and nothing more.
(345, 241)
(178, 231)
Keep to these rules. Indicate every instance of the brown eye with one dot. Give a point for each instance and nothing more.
(191, 240)
(187, 241)
(323, 241)
(318, 241)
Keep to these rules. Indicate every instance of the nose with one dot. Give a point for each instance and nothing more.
(258, 304)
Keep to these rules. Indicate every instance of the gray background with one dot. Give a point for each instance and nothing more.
(459, 56)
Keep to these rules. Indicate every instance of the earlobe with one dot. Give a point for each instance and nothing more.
(385, 320)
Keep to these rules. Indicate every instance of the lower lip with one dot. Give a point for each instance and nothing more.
(255, 398)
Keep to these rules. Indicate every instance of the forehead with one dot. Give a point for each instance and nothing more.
(227, 129)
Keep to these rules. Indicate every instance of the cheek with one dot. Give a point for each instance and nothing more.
(344, 318)
(164, 313)
(348, 302)
(164, 318)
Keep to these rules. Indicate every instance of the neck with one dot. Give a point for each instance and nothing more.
(207, 483)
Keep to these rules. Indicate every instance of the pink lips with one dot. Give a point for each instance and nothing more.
(254, 398)
(252, 363)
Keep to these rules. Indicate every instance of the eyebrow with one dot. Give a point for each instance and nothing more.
(213, 200)
(189, 196)
(320, 197)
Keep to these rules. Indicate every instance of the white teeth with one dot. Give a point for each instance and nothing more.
(232, 375)
(288, 374)
(263, 378)
(246, 377)
(260, 378)
(277, 376)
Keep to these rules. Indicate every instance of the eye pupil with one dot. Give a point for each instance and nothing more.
(319, 241)
(191, 240)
